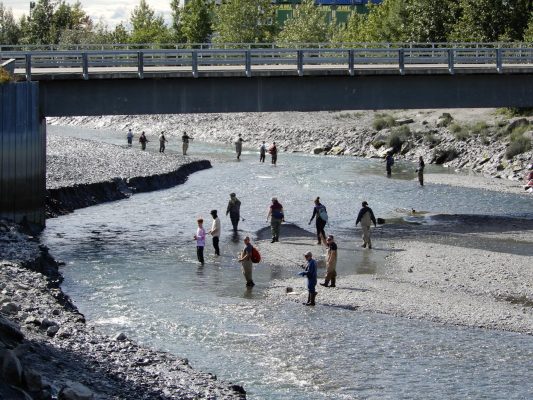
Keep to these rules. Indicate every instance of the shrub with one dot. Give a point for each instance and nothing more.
(518, 146)
(480, 128)
(382, 121)
(398, 137)
(516, 111)
(5, 76)
(431, 139)
(460, 132)
(518, 132)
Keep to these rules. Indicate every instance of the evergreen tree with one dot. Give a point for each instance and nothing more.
(196, 21)
(148, 27)
(244, 21)
(307, 25)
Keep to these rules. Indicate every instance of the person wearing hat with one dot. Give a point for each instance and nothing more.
(276, 215)
(185, 139)
(310, 273)
(331, 262)
(215, 231)
(366, 216)
(234, 211)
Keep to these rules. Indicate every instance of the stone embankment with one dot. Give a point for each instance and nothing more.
(47, 349)
(82, 173)
(480, 140)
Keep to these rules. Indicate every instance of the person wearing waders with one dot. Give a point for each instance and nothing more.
(162, 141)
(331, 263)
(319, 211)
(129, 136)
(234, 211)
(310, 273)
(185, 139)
(245, 259)
(276, 215)
(420, 171)
(143, 140)
(215, 231)
(262, 152)
(238, 146)
(200, 241)
(366, 217)
(389, 162)
(273, 150)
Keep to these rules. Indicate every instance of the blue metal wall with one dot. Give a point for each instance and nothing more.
(22, 154)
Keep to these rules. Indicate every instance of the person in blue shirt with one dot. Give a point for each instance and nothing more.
(310, 273)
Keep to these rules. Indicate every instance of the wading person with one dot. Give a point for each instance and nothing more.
(245, 258)
(200, 240)
(276, 215)
(234, 211)
(319, 211)
(129, 136)
(420, 171)
(185, 142)
(238, 146)
(162, 141)
(389, 162)
(310, 273)
(143, 140)
(273, 150)
(366, 217)
(262, 152)
(331, 262)
(215, 231)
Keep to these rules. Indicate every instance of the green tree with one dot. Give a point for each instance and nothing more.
(177, 28)
(148, 27)
(307, 25)
(120, 34)
(480, 21)
(430, 20)
(196, 21)
(386, 22)
(244, 21)
(528, 34)
(41, 23)
(9, 30)
(353, 32)
(71, 24)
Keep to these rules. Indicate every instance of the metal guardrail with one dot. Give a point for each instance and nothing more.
(86, 62)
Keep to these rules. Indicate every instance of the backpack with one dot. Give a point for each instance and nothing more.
(256, 256)
(323, 214)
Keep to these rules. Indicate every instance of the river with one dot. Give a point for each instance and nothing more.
(131, 267)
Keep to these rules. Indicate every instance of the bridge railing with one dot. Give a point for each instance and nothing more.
(246, 60)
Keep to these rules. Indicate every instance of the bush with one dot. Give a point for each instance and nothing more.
(516, 111)
(5, 76)
(460, 132)
(398, 137)
(518, 146)
(480, 128)
(431, 140)
(382, 121)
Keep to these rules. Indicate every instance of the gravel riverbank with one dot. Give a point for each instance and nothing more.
(459, 277)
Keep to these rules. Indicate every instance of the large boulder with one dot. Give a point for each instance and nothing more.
(11, 369)
(75, 391)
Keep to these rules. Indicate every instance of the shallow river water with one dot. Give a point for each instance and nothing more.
(131, 267)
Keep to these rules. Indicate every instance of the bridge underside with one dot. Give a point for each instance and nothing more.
(72, 97)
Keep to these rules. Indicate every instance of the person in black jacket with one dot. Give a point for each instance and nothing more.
(319, 211)
(366, 216)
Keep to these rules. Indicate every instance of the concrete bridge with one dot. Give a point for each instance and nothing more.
(246, 79)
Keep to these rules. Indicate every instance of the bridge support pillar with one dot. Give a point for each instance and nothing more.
(22, 154)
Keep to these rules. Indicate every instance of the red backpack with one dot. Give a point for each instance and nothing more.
(256, 256)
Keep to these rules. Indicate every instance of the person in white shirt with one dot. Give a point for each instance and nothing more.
(215, 231)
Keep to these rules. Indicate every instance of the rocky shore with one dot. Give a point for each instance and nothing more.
(47, 349)
(487, 142)
(82, 173)
(476, 276)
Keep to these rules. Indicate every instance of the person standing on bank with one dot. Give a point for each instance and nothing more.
(331, 262)
(238, 146)
(215, 231)
(185, 145)
(162, 141)
(245, 259)
(262, 152)
(234, 211)
(389, 162)
(366, 216)
(200, 241)
(277, 216)
(420, 170)
(143, 140)
(129, 136)
(273, 150)
(310, 273)
(321, 219)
